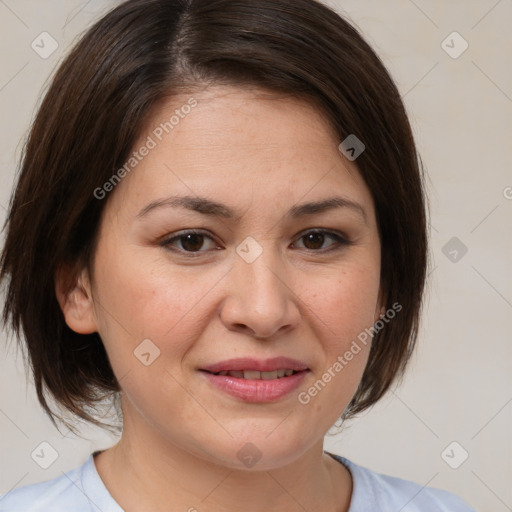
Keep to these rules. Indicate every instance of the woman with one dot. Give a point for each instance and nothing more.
(219, 219)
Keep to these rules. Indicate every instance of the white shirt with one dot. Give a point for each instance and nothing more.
(82, 490)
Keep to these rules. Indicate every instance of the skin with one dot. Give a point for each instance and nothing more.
(260, 155)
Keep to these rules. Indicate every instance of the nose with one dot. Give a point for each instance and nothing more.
(260, 300)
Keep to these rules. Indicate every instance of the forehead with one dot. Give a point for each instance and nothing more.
(224, 116)
(235, 143)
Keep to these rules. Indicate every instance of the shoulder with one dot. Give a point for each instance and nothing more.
(62, 494)
(374, 491)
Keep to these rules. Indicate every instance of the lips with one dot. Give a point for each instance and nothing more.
(253, 380)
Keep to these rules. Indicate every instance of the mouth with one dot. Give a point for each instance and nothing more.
(254, 380)
(257, 375)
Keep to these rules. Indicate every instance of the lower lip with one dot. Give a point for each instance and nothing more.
(256, 390)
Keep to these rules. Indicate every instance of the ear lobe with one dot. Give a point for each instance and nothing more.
(380, 308)
(75, 300)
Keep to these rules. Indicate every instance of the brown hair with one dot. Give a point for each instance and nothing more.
(101, 97)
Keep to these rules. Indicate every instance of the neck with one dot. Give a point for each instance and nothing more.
(145, 472)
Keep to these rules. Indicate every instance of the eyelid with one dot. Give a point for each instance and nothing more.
(324, 231)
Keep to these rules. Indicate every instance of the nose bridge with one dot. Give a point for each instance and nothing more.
(259, 297)
(260, 270)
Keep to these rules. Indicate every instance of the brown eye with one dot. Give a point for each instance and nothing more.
(314, 240)
(192, 242)
(188, 242)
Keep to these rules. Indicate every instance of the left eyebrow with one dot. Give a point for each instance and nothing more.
(327, 204)
(214, 209)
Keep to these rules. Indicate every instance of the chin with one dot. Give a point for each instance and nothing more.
(257, 453)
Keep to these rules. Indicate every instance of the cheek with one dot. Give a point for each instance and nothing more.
(346, 304)
(344, 309)
(345, 312)
(149, 298)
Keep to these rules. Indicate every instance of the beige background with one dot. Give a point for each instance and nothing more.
(458, 387)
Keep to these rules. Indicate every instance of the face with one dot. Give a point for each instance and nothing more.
(264, 283)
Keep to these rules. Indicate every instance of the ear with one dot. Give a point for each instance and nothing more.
(75, 299)
(380, 308)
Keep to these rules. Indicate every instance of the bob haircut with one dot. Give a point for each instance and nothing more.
(102, 96)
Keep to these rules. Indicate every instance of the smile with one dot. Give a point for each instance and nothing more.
(254, 386)
(256, 375)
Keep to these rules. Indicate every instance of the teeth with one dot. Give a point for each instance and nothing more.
(252, 375)
(255, 375)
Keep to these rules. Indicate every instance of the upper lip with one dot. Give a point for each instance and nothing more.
(261, 365)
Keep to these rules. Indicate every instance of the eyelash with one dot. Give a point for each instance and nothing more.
(340, 241)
